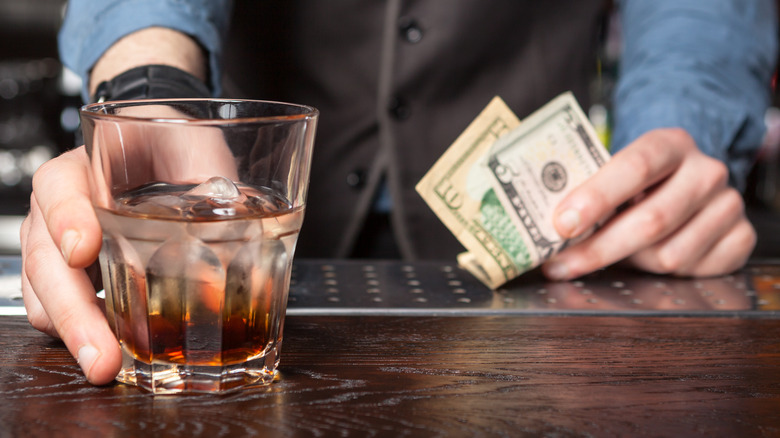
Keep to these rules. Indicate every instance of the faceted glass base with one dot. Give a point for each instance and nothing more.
(161, 378)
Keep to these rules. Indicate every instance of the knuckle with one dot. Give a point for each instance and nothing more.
(66, 321)
(721, 172)
(747, 236)
(717, 174)
(669, 262)
(639, 163)
(657, 260)
(35, 264)
(57, 208)
(594, 202)
(38, 319)
(44, 173)
(680, 137)
(24, 230)
(651, 224)
(57, 212)
(733, 202)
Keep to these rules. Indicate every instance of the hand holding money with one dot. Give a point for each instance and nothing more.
(679, 213)
(498, 190)
(497, 186)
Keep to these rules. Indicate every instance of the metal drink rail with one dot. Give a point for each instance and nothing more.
(368, 287)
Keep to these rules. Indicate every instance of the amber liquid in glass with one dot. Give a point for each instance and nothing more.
(198, 273)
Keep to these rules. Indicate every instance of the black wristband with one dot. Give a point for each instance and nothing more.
(151, 81)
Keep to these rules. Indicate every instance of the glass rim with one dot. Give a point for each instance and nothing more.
(92, 110)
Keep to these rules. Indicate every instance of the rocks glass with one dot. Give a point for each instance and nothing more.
(200, 202)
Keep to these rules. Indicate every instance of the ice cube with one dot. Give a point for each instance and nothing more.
(218, 187)
(186, 291)
(185, 274)
(208, 208)
(160, 206)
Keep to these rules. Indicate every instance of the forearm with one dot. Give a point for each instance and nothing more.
(701, 66)
(153, 45)
(187, 34)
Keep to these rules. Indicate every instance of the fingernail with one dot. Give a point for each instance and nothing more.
(87, 356)
(70, 238)
(556, 270)
(568, 221)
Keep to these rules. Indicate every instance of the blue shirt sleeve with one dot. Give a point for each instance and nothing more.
(90, 27)
(703, 66)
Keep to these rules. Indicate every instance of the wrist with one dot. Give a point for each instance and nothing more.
(151, 81)
(150, 46)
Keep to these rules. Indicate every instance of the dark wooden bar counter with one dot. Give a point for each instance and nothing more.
(497, 369)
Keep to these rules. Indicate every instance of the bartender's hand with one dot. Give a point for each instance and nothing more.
(682, 217)
(60, 238)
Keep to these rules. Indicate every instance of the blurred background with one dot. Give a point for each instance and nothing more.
(39, 103)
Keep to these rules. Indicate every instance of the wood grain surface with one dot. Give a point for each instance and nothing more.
(434, 376)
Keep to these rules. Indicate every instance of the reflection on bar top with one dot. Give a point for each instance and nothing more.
(367, 287)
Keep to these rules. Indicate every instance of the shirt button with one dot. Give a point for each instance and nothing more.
(410, 30)
(399, 108)
(356, 179)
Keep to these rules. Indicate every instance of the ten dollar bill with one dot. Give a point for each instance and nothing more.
(497, 185)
